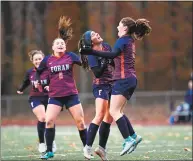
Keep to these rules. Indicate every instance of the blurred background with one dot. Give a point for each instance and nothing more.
(163, 61)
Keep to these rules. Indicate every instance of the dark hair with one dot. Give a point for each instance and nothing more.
(84, 58)
(34, 52)
(64, 29)
(85, 42)
(138, 29)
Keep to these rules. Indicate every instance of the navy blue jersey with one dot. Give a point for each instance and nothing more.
(125, 62)
(29, 80)
(95, 61)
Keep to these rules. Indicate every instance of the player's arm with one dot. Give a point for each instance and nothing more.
(25, 84)
(87, 51)
(96, 67)
(98, 71)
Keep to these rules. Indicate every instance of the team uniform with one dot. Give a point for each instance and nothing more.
(62, 88)
(124, 83)
(124, 76)
(36, 97)
(102, 86)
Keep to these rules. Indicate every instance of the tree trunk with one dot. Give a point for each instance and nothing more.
(8, 48)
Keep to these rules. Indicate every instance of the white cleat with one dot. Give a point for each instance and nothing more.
(129, 142)
(138, 139)
(102, 153)
(42, 147)
(88, 152)
(54, 148)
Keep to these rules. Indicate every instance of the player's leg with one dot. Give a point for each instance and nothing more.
(117, 101)
(100, 104)
(39, 112)
(75, 108)
(53, 110)
(45, 103)
(104, 131)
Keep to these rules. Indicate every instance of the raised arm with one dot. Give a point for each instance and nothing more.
(104, 54)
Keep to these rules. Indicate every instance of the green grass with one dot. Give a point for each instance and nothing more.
(159, 143)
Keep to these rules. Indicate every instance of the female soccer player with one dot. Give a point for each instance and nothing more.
(62, 87)
(37, 100)
(124, 75)
(102, 69)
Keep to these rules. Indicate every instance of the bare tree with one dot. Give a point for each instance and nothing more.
(6, 83)
(38, 12)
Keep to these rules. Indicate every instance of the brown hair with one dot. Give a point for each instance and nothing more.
(138, 29)
(34, 52)
(84, 58)
(64, 29)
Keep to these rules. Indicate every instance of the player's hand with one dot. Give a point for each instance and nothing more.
(85, 51)
(46, 88)
(19, 92)
(36, 84)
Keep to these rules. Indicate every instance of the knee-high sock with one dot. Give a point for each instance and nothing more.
(131, 130)
(123, 128)
(41, 131)
(104, 131)
(83, 136)
(50, 134)
(93, 128)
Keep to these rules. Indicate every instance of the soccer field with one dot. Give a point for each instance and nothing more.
(159, 143)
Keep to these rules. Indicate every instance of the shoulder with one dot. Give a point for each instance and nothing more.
(73, 55)
(30, 70)
(106, 46)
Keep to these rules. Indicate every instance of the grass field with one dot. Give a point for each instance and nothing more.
(159, 143)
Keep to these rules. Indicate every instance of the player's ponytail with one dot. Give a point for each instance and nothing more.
(142, 28)
(138, 29)
(64, 29)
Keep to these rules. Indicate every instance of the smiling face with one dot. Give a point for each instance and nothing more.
(59, 46)
(36, 60)
(96, 38)
(122, 30)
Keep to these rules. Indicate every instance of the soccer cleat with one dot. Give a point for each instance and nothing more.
(102, 153)
(129, 142)
(88, 152)
(42, 147)
(54, 148)
(138, 139)
(47, 155)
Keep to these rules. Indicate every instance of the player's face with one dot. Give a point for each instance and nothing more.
(96, 38)
(37, 58)
(59, 46)
(121, 29)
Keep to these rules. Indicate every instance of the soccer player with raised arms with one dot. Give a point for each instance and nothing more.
(62, 87)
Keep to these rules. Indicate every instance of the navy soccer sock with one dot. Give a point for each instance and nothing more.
(50, 134)
(131, 130)
(104, 131)
(41, 131)
(83, 136)
(93, 128)
(123, 128)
